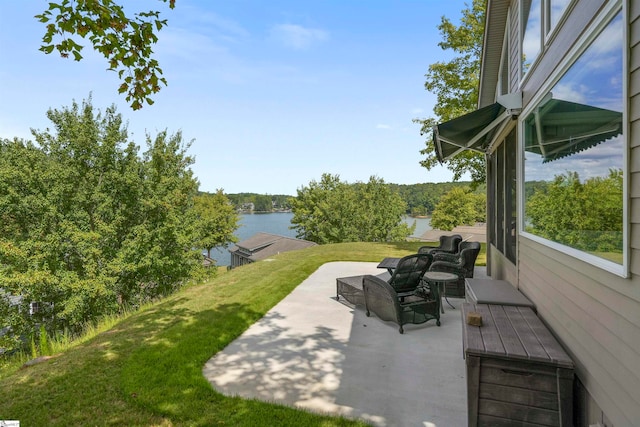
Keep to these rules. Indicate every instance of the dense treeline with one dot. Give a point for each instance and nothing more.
(90, 227)
(421, 199)
(260, 202)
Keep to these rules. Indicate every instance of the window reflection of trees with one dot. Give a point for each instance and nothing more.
(574, 145)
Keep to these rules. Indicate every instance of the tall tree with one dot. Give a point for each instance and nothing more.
(455, 84)
(125, 41)
(262, 203)
(217, 220)
(87, 226)
(332, 211)
(460, 206)
(159, 253)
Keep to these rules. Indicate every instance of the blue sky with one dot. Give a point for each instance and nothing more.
(272, 93)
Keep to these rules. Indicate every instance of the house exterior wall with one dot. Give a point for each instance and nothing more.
(594, 313)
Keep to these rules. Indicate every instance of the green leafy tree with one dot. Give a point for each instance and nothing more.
(24, 210)
(124, 41)
(87, 226)
(455, 84)
(217, 220)
(159, 253)
(460, 206)
(262, 203)
(332, 211)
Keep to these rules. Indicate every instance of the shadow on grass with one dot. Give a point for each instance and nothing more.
(165, 375)
(146, 371)
(65, 390)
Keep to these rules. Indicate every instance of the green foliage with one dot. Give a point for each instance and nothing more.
(87, 227)
(332, 211)
(216, 222)
(585, 215)
(460, 206)
(125, 42)
(455, 84)
(260, 202)
(422, 198)
(43, 341)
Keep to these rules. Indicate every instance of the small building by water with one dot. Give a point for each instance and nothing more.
(263, 245)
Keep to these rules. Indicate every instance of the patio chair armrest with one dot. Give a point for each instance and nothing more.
(381, 299)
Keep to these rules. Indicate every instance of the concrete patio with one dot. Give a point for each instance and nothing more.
(315, 353)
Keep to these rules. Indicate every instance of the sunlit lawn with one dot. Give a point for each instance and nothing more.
(147, 369)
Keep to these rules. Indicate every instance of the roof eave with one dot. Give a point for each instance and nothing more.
(494, 29)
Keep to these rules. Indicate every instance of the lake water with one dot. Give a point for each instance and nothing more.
(279, 223)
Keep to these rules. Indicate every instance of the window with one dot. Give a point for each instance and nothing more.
(574, 147)
(503, 76)
(532, 35)
(539, 18)
(555, 10)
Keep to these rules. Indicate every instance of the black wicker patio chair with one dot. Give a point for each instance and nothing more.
(448, 244)
(383, 300)
(405, 278)
(462, 264)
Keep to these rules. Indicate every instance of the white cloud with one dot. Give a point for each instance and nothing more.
(571, 92)
(382, 126)
(298, 37)
(609, 42)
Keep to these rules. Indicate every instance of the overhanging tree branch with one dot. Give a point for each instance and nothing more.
(126, 43)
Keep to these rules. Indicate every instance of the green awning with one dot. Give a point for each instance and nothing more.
(473, 131)
(558, 128)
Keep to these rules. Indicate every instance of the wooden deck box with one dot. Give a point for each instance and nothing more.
(517, 372)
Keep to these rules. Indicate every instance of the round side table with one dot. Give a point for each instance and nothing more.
(440, 278)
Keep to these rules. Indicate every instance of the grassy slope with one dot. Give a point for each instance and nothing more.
(147, 370)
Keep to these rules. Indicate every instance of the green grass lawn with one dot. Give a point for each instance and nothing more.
(147, 369)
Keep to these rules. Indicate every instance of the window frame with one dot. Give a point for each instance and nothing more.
(547, 32)
(523, 26)
(600, 22)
